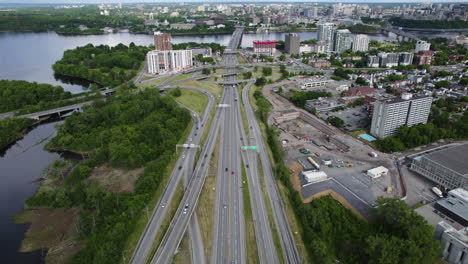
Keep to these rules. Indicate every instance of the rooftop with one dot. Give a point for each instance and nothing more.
(455, 206)
(453, 158)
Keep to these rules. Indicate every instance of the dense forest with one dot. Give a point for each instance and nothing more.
(361, 28)
(15, 95)
(132, 130)
(214, 46)
(11, 129)
(438, 24)
(108, 66)
(331, 233)
(65, 21)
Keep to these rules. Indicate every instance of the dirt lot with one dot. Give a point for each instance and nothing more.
(115, 180)
(53, 229)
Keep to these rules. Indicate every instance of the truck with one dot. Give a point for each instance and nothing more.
(372, 154)
(437, 192)
(315, 164)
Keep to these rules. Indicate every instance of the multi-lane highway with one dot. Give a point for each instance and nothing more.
(287, 240)
(143, 248)
(229, 230)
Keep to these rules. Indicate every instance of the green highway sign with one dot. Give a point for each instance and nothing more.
(249, 147)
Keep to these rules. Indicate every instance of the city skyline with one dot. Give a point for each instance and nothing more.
(26, 2)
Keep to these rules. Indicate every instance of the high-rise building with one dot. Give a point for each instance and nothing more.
(162, 41)
(361, 43)
(163, 61)
(388, 59)
(342, 40)
(373, 61)
(406, 58)
(292, 43)
(325, 33)
(422, 45)
(389, 115)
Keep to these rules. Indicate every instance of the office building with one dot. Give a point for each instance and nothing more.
(292, 43)
(389, 115)
(325, 33)
(162, 41)
(388, 59)
(361, 43)
(342, 40)
(265, 47)
(422, 45)
(447, 167)
(164, 61)
(373, 61)
(406, 58)
(454, 243)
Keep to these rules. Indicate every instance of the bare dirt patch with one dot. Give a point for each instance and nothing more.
(296, 168)
(51, 228)
(115, 180)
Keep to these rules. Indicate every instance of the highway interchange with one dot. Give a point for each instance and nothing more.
(229, 235)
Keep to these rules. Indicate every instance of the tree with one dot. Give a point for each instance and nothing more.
(206, 71)
(177, 92)
(247, 75)
(260, 81)
(335, 121)
(267, 71)
(282, 57)
(443, 84)
(361, 81)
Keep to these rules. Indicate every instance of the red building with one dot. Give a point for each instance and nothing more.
(360, 91)
(423, 57)
(267, 47)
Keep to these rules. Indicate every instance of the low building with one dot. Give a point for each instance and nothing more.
(455, 206)
(182, 26)
(348, 99)
(204, 51)
(267, 47)
(320, 63)
(454, 243)
(322, 105)
(314, 176)
(360, 91)
(447, 167)
(377, 172)
(314, 83)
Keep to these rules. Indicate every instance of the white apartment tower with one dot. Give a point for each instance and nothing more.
(325, 33)
(342, 40)
(168, 61)
(422, 45)
(361, 43)
(391, 114)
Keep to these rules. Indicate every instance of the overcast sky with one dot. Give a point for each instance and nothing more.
(216, 1)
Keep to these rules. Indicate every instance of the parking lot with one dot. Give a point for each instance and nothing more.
(354, 117)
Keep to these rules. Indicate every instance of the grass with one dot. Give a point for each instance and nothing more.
(206, 203)
(154, 83)
(183, 252)
(243, 114)
(240, 59)
(181, 77)
(252, 250)
(141, 223)
(210, 87)
(172, 208)
(193, 99)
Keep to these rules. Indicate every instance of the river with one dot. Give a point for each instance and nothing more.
(20, 166)
(29, 56)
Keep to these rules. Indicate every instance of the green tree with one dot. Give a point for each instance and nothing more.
(336, 121)
(267, 71)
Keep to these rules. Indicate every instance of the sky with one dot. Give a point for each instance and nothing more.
(219, 1)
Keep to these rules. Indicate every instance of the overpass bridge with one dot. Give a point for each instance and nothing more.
(401, 35)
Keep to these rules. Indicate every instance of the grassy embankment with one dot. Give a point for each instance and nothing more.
(195, 100)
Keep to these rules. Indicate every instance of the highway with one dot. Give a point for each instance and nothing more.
(286, 237)
(229, 230)
(143, 248)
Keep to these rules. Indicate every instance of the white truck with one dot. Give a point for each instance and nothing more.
(437, 192)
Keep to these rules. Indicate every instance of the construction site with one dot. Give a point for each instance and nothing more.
(324, 160)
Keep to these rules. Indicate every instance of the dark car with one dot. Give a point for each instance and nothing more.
(180, 167)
